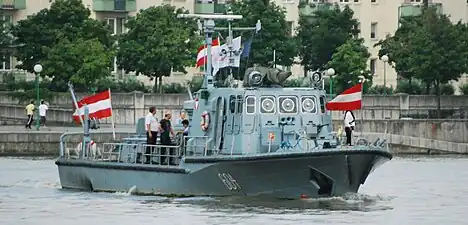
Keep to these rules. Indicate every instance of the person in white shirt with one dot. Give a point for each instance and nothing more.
(42, 112)
(349, 123)
(152, 128)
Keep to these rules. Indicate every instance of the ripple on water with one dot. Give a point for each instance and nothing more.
(415, 190)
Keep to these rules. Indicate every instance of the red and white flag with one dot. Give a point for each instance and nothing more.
(350, 99)
(99, 106)
(201, 55)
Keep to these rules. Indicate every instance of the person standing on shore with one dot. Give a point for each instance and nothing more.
(181, 118)
(42, 112)
(30, 113)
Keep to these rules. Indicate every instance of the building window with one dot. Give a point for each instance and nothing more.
(290, 27)
(344, 1)
(117, 25)
(358, 27)
(373, 33)
(356, 1)
(373, 1)
(372, 66)
(418, 1)
(6, 62)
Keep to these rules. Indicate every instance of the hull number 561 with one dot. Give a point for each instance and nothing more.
(229, 181)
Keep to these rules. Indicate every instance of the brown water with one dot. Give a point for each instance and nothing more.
(426, 191)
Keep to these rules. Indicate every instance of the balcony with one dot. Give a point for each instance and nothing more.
(307, 7)
(210, 6)
(114, 5)
(13, 4)
(416, 9)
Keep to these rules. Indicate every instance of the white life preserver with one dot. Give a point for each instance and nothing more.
(205, 121)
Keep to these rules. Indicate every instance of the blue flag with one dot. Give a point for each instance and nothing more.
(246, 49)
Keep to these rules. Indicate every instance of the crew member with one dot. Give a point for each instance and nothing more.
(349, 123)
(166, 132)
(152, 128)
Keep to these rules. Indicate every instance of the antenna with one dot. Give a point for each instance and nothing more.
(209, 28)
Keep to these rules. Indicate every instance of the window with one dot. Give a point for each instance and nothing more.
(6, 62)
(117, 25)
(322, 104)
(358, 28)
(344, 1)
(240, 103)
(373, 33)
(232, 103)
(250, 104)
(7, 20)
(308, 104)
(287, 104)
(290, 27)
(417, 1)
(373, 1)
(267, 105)
(356, 1)
(372, 66)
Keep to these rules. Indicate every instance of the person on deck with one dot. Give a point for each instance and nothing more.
(349, 123)
(166, 132)
(152, 128)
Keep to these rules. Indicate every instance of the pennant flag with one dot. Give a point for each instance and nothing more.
(350, 99)
(201, 55)
(99, 106)
(221, 56)
(246, 48)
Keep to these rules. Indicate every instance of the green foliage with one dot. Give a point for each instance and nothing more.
(195, 84)
(412, 88)
(444, 89)
(350, 62)
(464, 89)
(128, 84)
(158, 42)
(295, 82)
(6, 39)
(69, 44)
(322, 33)
(274, 35)
(173, 88)
(428, 47)
(379, 90)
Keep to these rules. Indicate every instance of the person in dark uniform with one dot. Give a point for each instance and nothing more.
(166, 132)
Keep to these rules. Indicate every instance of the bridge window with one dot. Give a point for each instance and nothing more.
(322, 104)
(239, 103)
(267, 105)
(287, 104)
(232, 103)
(250, 103)
(309, 104)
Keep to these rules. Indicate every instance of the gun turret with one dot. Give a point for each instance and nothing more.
(264, 76)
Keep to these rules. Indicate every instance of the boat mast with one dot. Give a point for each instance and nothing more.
(208, 29)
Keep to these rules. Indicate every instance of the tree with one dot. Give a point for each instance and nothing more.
(87, 61)
(438, 48)
(274, 35)
(157, 43)
(350, 62)
(320, 34)
(65, 25)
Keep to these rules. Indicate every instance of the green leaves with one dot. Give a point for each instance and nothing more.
(428, 47)
(320, 34)
(68, 44)
(350, 62)
(158, 41)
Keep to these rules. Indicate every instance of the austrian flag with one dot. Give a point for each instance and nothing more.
(99, 106)
(201, 55)
(350, 99)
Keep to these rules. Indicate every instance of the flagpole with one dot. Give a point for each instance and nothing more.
(112, 115)
(70, 87)
(360, 110)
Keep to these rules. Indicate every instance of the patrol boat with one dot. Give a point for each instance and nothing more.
(255, 139)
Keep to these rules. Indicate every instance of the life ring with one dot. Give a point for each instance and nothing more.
(205, 121)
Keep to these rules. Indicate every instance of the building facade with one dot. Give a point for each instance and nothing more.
(377, 18)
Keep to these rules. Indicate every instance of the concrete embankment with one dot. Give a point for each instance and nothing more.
(16, 140)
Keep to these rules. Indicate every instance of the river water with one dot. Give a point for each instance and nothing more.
(421, 190)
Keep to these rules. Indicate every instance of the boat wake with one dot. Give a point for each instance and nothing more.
(30, 183)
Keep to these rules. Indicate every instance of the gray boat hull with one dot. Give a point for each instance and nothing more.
(287, 175)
